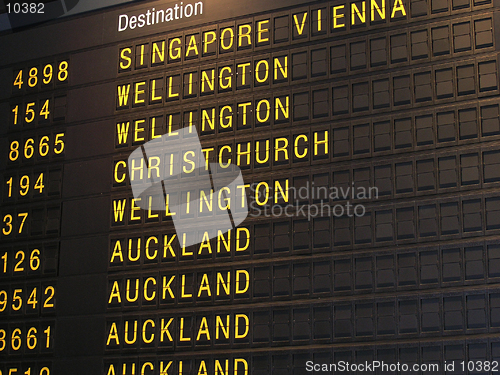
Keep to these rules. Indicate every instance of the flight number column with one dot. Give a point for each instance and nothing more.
(30, 216)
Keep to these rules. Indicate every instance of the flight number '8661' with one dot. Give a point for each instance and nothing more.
(32, 337)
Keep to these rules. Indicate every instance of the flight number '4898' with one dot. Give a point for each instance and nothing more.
(34, 76)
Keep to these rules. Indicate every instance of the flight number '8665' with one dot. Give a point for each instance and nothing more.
(41, 148)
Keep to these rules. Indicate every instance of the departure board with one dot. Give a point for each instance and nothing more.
(250, 188)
